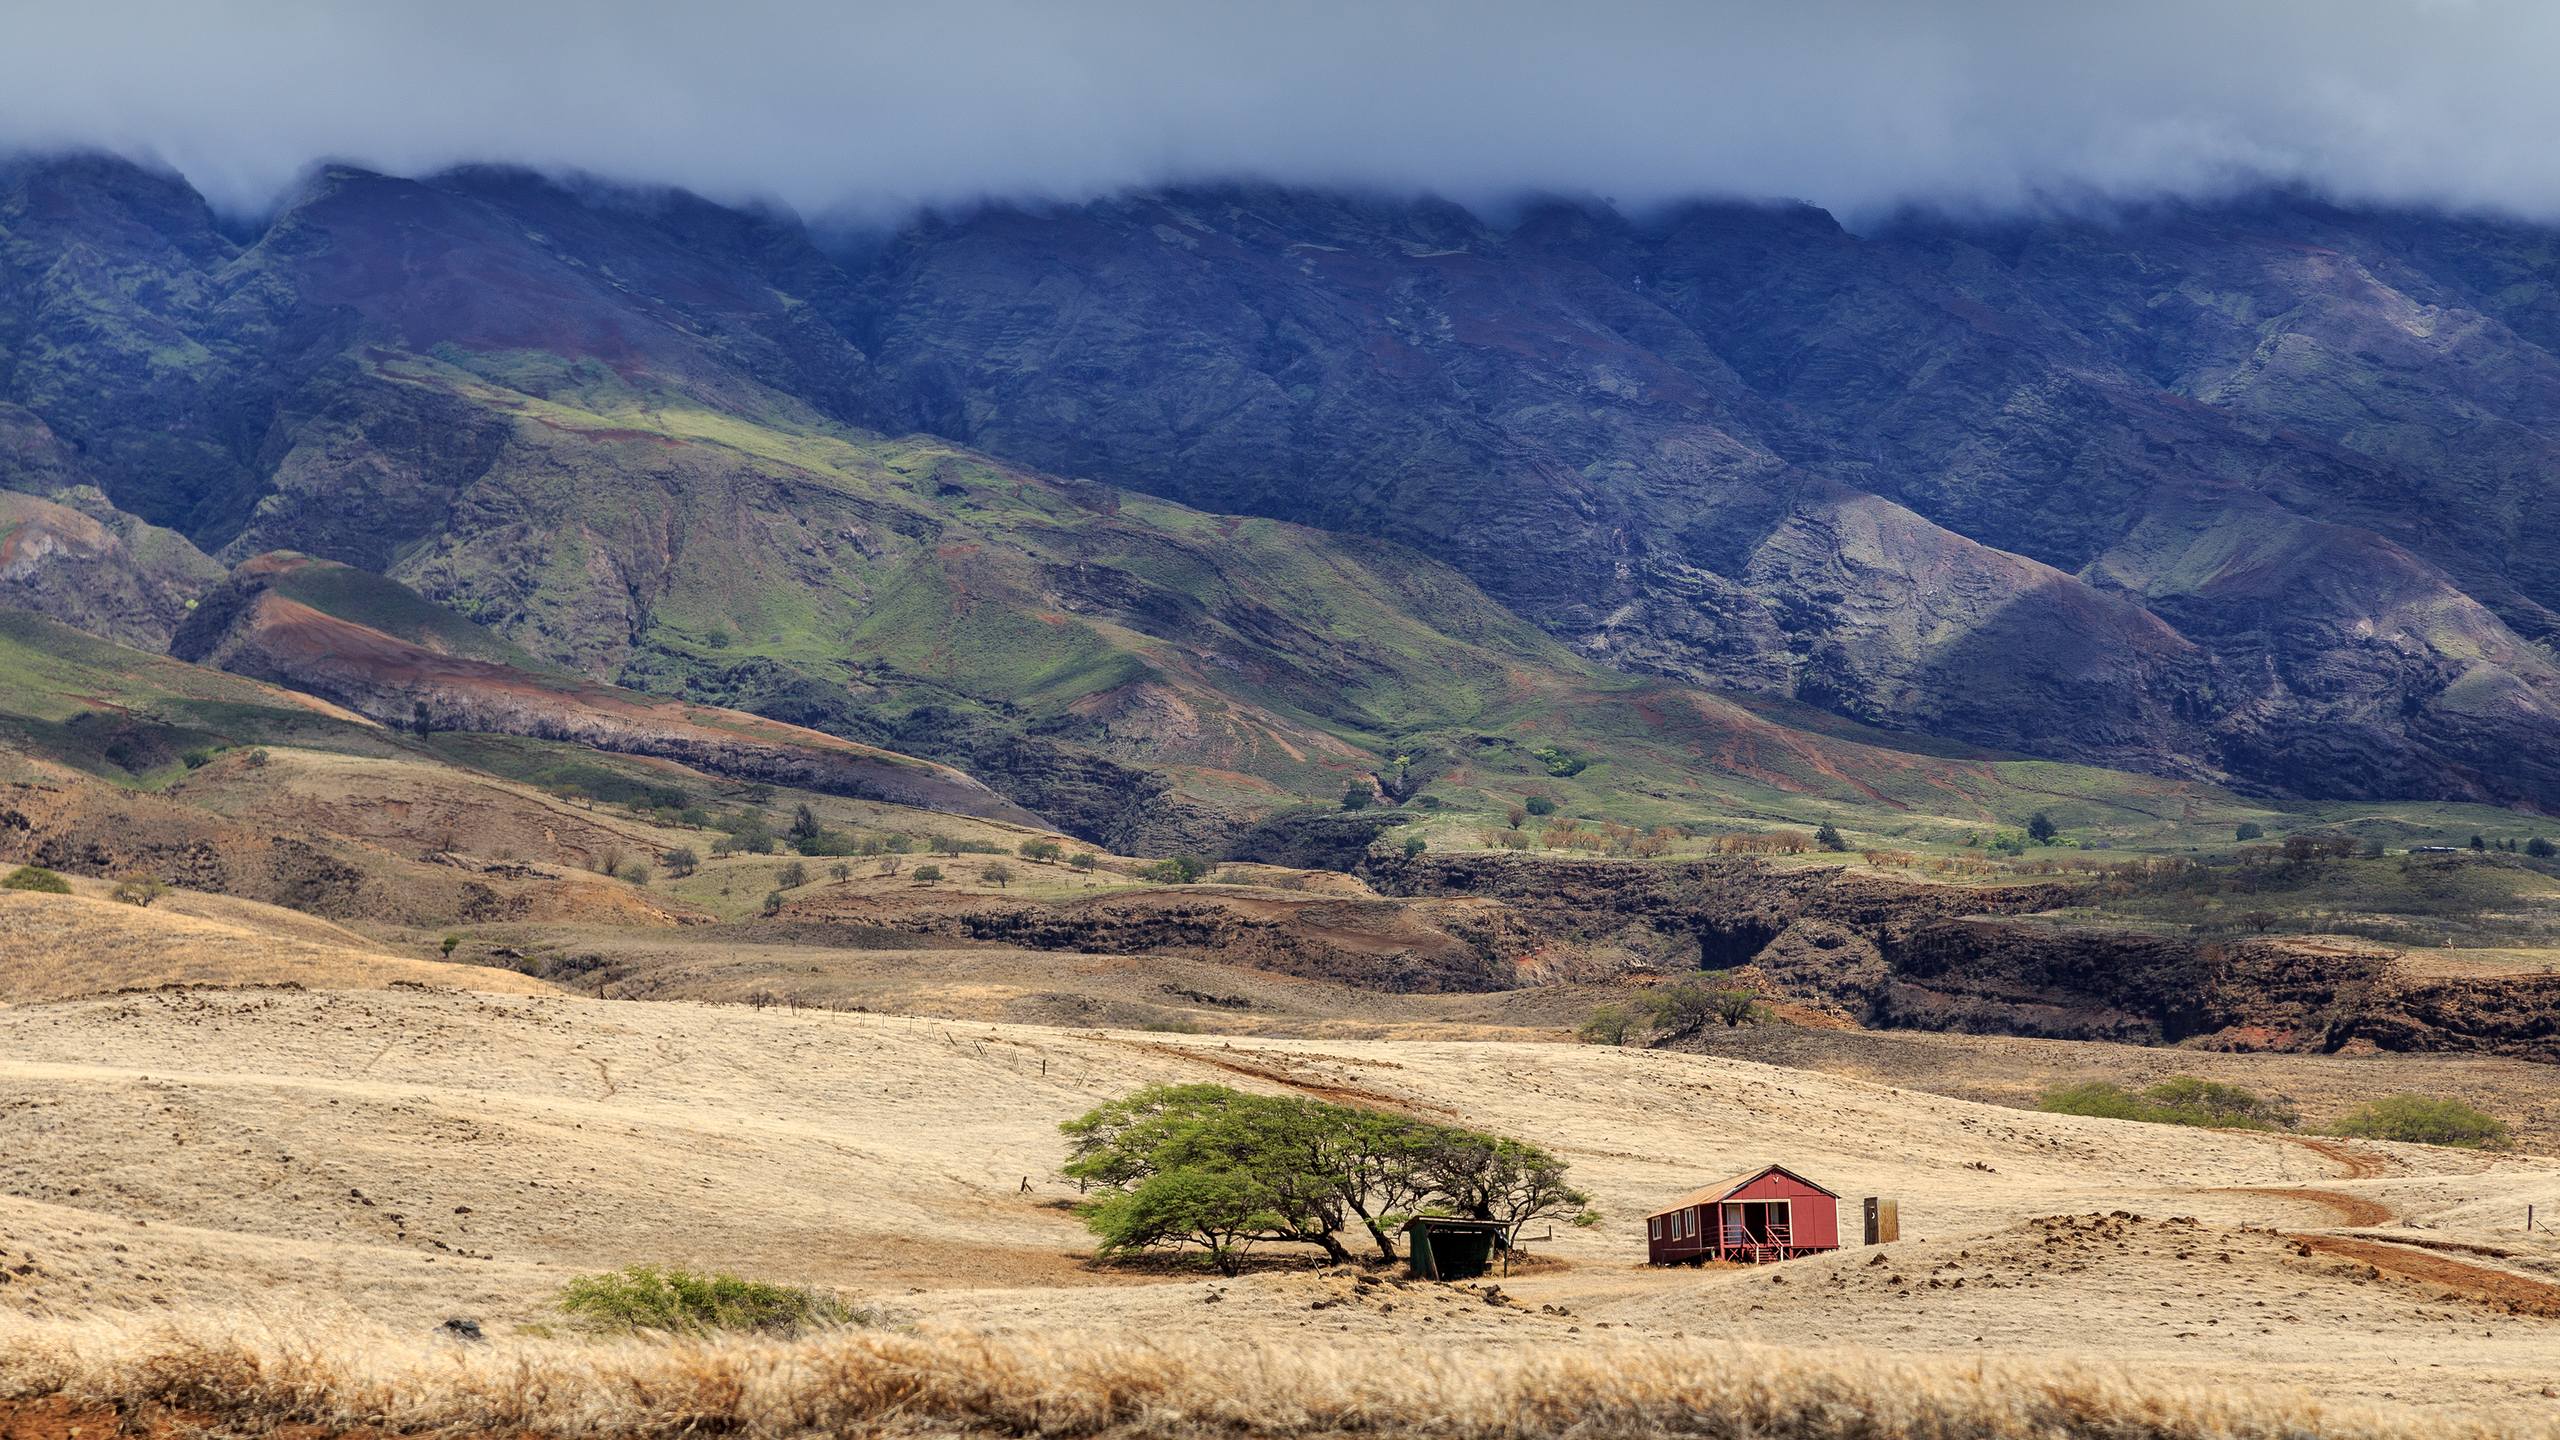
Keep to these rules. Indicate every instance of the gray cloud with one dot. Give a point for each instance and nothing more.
(1853, 104)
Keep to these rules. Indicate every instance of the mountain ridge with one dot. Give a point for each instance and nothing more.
(1697, 447)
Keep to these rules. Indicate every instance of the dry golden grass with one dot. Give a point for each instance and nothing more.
(60, 946)
(249, 1376)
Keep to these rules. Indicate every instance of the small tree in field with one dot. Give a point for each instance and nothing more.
(1040, 852)
(841, 871)
(928, 874)
(2261, 921)
(1085, 860)
(681, 861)
(2041, 829)
(998, 874)
(791, 876)
(138, 890)
(1828, 837)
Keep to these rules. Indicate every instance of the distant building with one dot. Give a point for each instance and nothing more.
(1771, 1213)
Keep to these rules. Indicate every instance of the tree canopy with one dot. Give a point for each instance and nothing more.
(1212, 1168)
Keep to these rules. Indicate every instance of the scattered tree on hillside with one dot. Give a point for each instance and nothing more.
(1357, 795)
(1085, 860)
(1180, 870)
(1517, 816)
(928, 874)
(450, 944)
(773, 902)
(998, 874)
(804, 823)
(2249, 830)
(1040, 851)
(791, 876)
(681, 861)
(2261, 921)
(2041, 829)
(891, 864)
(421, 721)
(841, 871)
(138, 890)
(1414, 845)
(2540, 849)
(1540, 805)
(1828, 837)
(2479, 844)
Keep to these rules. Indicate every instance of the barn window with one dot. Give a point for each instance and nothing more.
(1655, 1224)
(1689, 1223)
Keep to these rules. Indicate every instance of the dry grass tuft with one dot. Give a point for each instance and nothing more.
(247, 1374)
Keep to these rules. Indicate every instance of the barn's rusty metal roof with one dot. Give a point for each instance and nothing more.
(1714, 1193)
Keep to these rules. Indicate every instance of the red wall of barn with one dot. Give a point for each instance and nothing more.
(1817, 1216)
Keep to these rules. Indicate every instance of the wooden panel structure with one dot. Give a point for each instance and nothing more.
(1884, 1220)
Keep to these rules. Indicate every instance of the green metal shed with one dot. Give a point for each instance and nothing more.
(1441, 1248)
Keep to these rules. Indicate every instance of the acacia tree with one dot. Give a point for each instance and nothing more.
(1291, 1170)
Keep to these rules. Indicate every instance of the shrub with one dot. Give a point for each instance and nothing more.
(42, 881)
(1180, 870)
(450, 944)
(632, 872)
(2540, 849)
(1539, 805)
(197, 759)
(138, 890)
(1828, 837)
(1608, 1025)
(2041, 829)
(1085, 860)
(791, 876)
(2178, 1100)
(681, 861)
(1357, 795)
(927, 874)
(1414, 845)
(1688, 1006)
(2424, 1120)
(772, 902)
(681, 1302)
(256, 758)
(1040, 852)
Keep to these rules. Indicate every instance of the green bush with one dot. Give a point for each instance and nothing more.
(1085, 860)
(1040, 851)
(1539, 805)
(1180, 870)
(30, 877)
(2249, 830)
(1608, 1025)
(680, 1302)
(2178, 1100)
(2424, 1120)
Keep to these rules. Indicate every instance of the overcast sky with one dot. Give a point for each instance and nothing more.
(1853, 104)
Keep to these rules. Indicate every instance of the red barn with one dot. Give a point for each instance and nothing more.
(1771, 1213)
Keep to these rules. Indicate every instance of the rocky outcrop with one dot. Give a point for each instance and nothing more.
(1378, 944)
